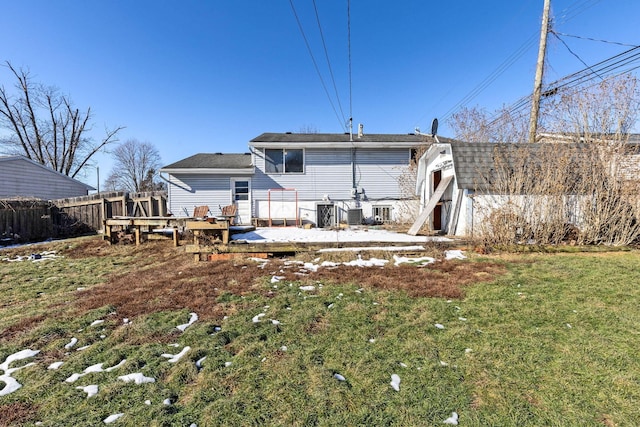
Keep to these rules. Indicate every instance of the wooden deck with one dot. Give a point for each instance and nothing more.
(212, 238)
(141, 225)
(279, 248)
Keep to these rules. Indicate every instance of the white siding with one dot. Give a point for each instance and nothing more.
(188, 191)
(378, 173)
(329, 172)
(327, 176)
(325, 172)
(22, 178)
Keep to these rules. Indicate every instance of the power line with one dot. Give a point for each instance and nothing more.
(315, 64)
(326, 54)
(594, 40)
(610, 67)
(349, 49)
(602, 67)
(504, 66)
(570, 51)
(576, 9)
(567, 14)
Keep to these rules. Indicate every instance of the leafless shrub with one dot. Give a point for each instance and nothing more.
(579, 185)
(409, 208)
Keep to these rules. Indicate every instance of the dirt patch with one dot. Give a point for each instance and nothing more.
(21, 326)
(444, 279)
(166, 279)
(17, 413)
(172, 284)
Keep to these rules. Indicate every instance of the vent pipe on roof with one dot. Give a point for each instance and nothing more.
(360, 130)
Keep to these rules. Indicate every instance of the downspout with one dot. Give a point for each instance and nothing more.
(353, 168)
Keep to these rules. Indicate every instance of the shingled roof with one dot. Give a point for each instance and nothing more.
(471, 161)
(212, 161)
(475, 161)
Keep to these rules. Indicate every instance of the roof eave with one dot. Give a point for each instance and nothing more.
(350, 144)
(209, 171)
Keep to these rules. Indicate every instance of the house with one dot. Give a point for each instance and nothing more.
(211, 179)
(21, 177)
(296, 178)
(461, 184)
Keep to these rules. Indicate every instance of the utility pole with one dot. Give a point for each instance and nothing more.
(537, 86)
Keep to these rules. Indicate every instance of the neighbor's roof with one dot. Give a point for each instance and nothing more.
(335, 140)
(47, 168)
(212, 162)
(473, 161)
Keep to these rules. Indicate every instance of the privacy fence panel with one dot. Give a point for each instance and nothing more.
(35, 220)
(25, 220)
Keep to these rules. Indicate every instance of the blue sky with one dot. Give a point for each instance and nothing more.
(196, 76)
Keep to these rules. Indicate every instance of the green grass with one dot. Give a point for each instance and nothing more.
(552, 342)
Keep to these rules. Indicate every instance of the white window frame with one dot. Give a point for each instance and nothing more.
(284, 163)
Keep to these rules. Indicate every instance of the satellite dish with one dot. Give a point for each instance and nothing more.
(434, 127)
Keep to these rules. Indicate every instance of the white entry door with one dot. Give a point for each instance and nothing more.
(241, 197)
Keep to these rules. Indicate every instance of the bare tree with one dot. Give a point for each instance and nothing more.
(477, 125)
(136, 168)
(308, 128)
(581, 184)
(602, 110)
(44, 126)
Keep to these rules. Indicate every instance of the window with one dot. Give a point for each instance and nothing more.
(241, 190)
(382, 214)
(284, 161)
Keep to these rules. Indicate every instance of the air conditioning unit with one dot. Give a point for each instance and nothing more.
(354, 216)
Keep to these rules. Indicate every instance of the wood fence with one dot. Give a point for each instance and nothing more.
(34, 220)
(25, 221)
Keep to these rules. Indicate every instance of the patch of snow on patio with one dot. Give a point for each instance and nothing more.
(316, 235)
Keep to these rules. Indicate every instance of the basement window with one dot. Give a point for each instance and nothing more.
(382, 214)
(282, 160)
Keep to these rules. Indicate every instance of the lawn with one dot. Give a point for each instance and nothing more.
(502, 340)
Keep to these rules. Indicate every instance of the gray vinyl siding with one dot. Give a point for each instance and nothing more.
(187, 191)
(378, 172)
(328, 172)
(22, 178)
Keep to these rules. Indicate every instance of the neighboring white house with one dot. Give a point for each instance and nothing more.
(21, 177)
(293, 178)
